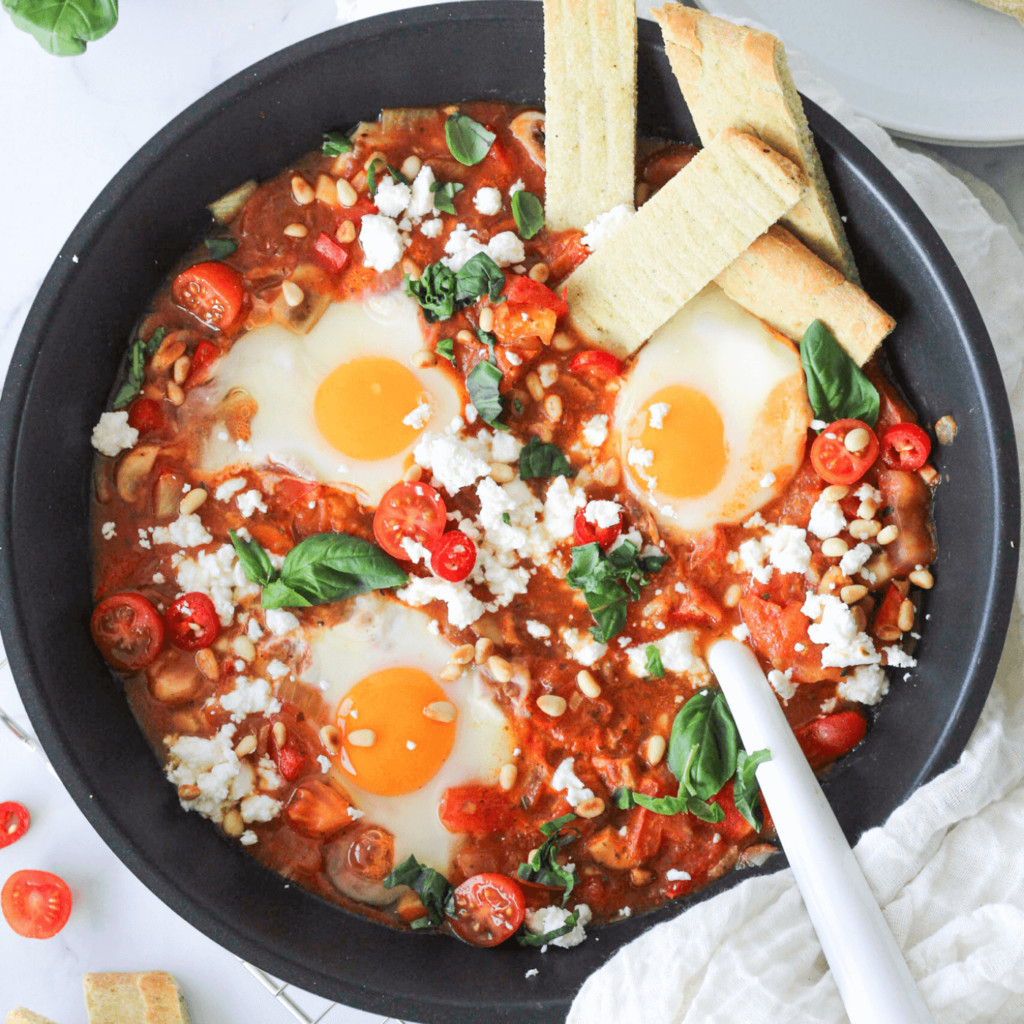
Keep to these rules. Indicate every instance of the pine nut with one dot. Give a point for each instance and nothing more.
(466, 337)
(655, 749)
(346, 193)
(484, 649)
(906, 619)
(887, 633)
(553, 408)
(346, 231)
(181, 367)
(640, 877)
(867, 509)
(487, 319)
(186, 791)
(206, 662)
(862, 529)
(544, 431)
(562, 342)
(732, 596)
(424, 358)
(611, 473)
(860, 618)
(411, 166)
(244, 648)
(832, 577)
(450, 673)
(412, 268)
(246, 745)
(280, 733)
(302, 191)
(169, 352)
(191, 501)
(296, 230)
(592, 807)
(834, 547)
(233, 824)
(922, 578)
(330, 738)
(292, 293)
(887, 534)
(440, 711)
(507, 776)
(534, 386)
(502, 474)
(462, 655)
(588, 685)
(500, 668)
(856, 440)
(539, 272)
(413, 474)
(326, 191)
(374, 156)
(362, 738)
(552, 705)
(835, 492)
(853, 593)
(174, 393)
(928, 473)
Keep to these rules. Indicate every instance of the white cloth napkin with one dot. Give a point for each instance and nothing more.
(948, 866)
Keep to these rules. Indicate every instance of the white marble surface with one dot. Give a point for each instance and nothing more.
(68, 125)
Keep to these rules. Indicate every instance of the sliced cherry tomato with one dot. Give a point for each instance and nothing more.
(515, 322)
(192, 622)
(212, 292)
(488, 909)
(453, 557)
(290, 760)
(478, 810)
(520, 288)
(827, 738)
(36, 904)
(905, 446)
(586, 532)
(290, 490)
(14, 822)
(597, 361)
(128, 631)
(203, 358)
(145, 415)
(410, 510)
(834, 462)
(330, 252)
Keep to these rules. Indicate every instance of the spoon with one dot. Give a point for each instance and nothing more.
(873, 979)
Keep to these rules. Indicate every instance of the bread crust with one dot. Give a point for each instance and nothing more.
(137, 997)
(19, 1015)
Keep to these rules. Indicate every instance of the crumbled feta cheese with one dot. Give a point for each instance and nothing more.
(625, 911)
(782, 682)
(741, 632)
(564, 780)
(768, 479)
(517, 187)
(277, 669)
(280, 621)
(754, 521)
(532, 972)
(837, 630)
(227, 490)
(463, 244)
(827, 519)
(548, 919)
(250, 501)
(504, 447)
(868, 685)
(604, 225)
(109, 530)
(381, 242)
(159, 577)
(854, 559)
(220, 576)
(505, 249)
(595, 431)
(868, 493)
(752, 554)
(463, 608)
(249, 698)
(583, 647)
(560, 505)
(898, 658)
(603, 513)
(254, 630)
(454, 462)
(538, 630)
(818, 424)
(676, 650)
(432, 228)
(675, 875)
(656, 414)
(421, 202)
(487, 201)
(418, 554)
(548, 374)
(248, 838)
(787, 549)
(392, 197)
(213, 767)
(185, 532)
(112, 435)
(641, 459)
(419, 417)
(258, 807)
(471, 414)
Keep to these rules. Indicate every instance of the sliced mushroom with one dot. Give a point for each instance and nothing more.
(528, 128)
(174, 678)
(358, 863)
(167, 494)
(302, 317)
(133, 470)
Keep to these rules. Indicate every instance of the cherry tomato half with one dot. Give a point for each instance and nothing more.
(290, 759)
(332, 255)
(453, 557)
(409, 510)
(192, 622)
(905, 446)
(834, 462)
(597, 361)
(14, 822)
(520, 288)
(145, 415)
(36, 904)
(212, 292)
(489, 909)
(827, 738)
(203, 358)
(586, 532)
(128, 631)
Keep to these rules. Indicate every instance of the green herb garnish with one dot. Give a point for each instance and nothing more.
(543, 459)
(442, 292)
(654, 665)
(446, 349)
(371, 175)
(836, 385)
(468, 141)
(528, 213)
(139, 352)
(63, 27)
(608, 581)
(220, 248)
(482, 383)
(336, 143)
(444, 195)
(542, 867)
(434, 890)
(528, 939)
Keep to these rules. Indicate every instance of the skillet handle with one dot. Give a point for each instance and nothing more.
(873, 978)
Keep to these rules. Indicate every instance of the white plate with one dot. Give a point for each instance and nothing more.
(939, 70)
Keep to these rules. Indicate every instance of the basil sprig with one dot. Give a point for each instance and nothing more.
(609, 580)
(542, 867)
(543, 459)
(336, 143)
(220, 248)
(468, 140)
(63, 27)
(482, 383)
(444, 195)
(654, 665)
(436, 893)
(525, 938)
(323, 568)
(528, 213)
(136, 375)
(441, 292)
(371, 175)
(745, 791)
(836, 385)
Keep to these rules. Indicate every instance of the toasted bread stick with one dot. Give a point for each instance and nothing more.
(141, 997)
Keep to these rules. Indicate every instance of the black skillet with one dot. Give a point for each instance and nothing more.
(67, 359)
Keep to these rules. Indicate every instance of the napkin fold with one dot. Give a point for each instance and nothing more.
(948, 866)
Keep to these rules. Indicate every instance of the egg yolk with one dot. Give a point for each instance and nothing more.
(408, 748)
(689, 446)
(360, 406)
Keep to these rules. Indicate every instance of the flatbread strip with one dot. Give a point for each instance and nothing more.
(590, 99)
(735, 77)
(782, 282)
(19, 1015)
(681, 239)
(142, 997)
(1014, 8)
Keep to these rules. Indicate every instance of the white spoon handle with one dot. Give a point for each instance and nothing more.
(873, 979)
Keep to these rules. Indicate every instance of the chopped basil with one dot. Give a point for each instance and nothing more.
(745, 791)
(336, 143)
(480, 276)
(598, 575)
(836, 385)
(506, 518)
(625, 799)
(434, 890)
(528, 212)
(887, 511)
(652, 563)
(490, 340)
(63, 27)
(529, 939)
(543, 459)
(441, 292)
(542, 867)
(220, 248)
(482, 384)
(139, 352)
(371, 175)
(654, 665)
(444, 195)
(323, 568)
(446, 349)
(468, 141)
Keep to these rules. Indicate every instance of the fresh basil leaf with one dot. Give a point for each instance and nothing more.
(434, 291)
(599, 576)
(654, 665)
(652, 563)
(220, 248)
(745, 791)
(490, 340)
(371, 175)
(703, 745)
(529, 939)
(336, 143)
(542, 866)
(468, 141)
(543, 459)
(135, 376)
(836, 385)
(482, 384)
(63, 27)
(705, 810)
(478, 277)
(255, 561)
(528, 213)
(446, 349)
(277, 594)
(625, 799)
(609, 606)
(434, 890)
(445, 193)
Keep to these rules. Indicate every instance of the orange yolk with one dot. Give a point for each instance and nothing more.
(689, 447)
(409, 748)
(360, 406)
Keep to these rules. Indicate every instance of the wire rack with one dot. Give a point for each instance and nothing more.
(281, 991)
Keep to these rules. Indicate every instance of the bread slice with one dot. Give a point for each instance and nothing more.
(782, 282)
(141, 997)
(590, 103)
(1014, 8)
(681, 239)
(19, 1015)
(735, 77)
